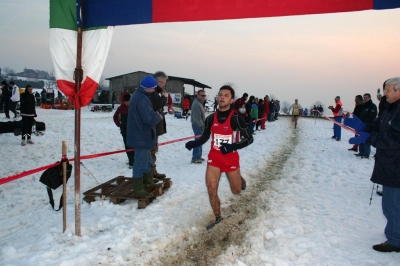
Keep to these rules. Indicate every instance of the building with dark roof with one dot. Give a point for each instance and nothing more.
(131, 81)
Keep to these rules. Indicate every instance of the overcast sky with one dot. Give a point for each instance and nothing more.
(315, 57)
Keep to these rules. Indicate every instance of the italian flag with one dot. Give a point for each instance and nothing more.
(64, 21)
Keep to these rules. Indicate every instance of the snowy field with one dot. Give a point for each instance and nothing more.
(306, 203)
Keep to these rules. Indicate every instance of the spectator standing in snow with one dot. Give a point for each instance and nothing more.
(170, 102)
(367, 116)
(6, 94)
(215, 104)
(43, 94)
(37, 98)
(254, 112)
(265, 113)
(261, 109)
(249, 117)
(357, 111)
(120, 118)
(142, 122)
(15, 98)
(240, 105)
(384, 135)
(337, 112)
(28, 114)
(158, 100)
(186, 107)
(197, 117)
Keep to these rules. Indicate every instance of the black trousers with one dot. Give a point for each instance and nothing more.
(130, 154)
(27, 122)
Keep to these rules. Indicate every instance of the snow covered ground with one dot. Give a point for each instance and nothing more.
(306, 203)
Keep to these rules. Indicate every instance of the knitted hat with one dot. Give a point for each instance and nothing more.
(148, 82)
(127, 97)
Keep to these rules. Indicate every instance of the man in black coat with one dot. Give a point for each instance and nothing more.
(6, 95)
(384, 135)
(357, 111)
(158, 100)
(368, 114)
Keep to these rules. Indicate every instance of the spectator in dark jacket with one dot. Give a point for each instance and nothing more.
(249, 108)
(383, 104)
(271, 110)
(28, 114)
(43, 95)
(357, 111)
(158, 100)
(6, 95)
(367, 116)
(141, 134)
(265, 113)
(121, 120)
(261, 109)
(384, 135)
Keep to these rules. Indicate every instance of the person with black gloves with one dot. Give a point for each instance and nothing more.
(223, 156)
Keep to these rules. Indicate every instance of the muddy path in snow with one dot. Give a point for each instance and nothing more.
(203, 247)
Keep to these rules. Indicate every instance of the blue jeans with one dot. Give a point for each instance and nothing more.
(365, 149)
(251, 126)
(391, 210)
(198, 151)
(142, 163)
(337, 130)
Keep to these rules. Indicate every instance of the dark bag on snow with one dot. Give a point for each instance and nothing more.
(53, 179)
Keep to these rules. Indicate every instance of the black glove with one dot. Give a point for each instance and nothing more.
(191, 144)
(35, 115)
(227, 148)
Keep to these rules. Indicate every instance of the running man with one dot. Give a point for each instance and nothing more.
(295, 111)
(223, 157)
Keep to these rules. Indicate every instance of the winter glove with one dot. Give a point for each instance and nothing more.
(361, 138)
(227, 148)
(354, 123)
(191, 144)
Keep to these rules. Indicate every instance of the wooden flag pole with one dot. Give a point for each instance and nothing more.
(78, 77)
(64, 172)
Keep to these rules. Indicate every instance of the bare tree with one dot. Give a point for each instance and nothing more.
(285, 106)
(9, 71)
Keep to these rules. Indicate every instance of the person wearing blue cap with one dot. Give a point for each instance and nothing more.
(141, 135)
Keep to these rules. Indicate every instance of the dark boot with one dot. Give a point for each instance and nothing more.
(149, 182)
(138, 189)
(158, 175)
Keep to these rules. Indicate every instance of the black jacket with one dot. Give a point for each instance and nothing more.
(261, 108)
(6, 92)
(385, 137)
(383, 104)
(27, 104)
(357, 110)
(368, 112)
(158, 103)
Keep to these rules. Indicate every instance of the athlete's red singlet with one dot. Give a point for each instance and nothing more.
(223, 133)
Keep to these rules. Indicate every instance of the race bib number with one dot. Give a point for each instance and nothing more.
(219, 139)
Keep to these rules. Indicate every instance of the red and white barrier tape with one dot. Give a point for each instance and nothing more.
(8, 179)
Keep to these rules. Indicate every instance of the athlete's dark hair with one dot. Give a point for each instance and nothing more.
(359, 97)
(227, 87)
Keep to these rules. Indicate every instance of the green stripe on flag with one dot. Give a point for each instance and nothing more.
(63, 14)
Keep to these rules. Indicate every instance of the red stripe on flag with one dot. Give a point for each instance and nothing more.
(197, 10)
(88, 88)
